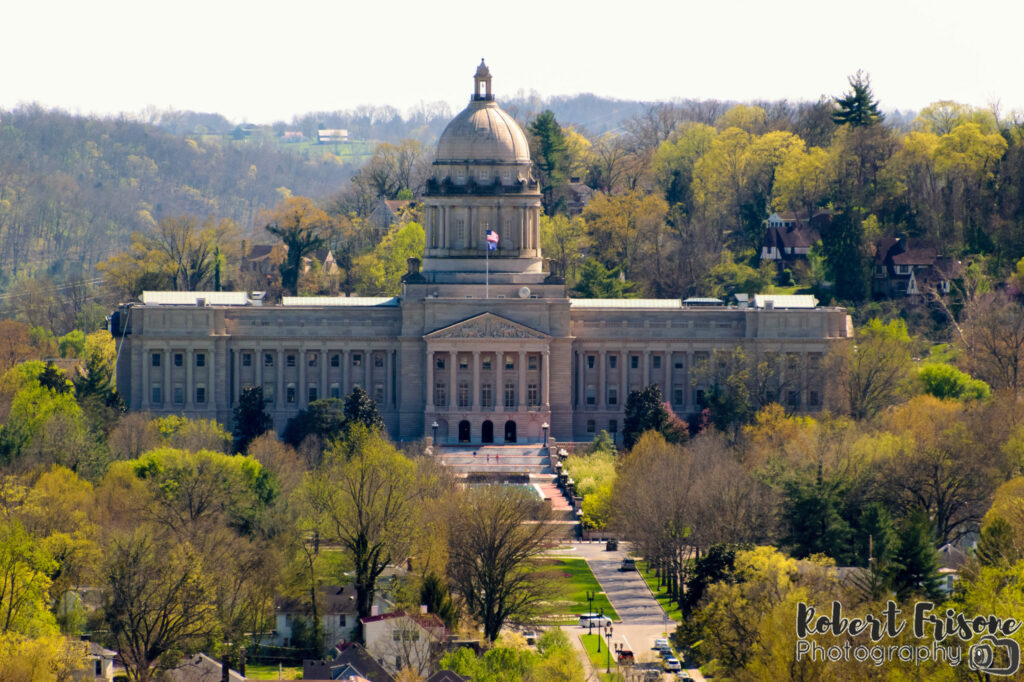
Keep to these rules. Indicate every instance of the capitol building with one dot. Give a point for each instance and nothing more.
(482, 346)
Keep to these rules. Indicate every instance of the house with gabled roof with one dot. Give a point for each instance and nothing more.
(789, 236)
(404, 640)
(905, 267)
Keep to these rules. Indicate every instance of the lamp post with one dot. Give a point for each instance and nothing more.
(608, 634)
(545, 426)
(590, 612)
(599, 630)
(434, 426)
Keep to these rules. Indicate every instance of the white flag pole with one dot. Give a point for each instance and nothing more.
(487, 267)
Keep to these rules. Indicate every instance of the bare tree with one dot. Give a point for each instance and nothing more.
(494, 534)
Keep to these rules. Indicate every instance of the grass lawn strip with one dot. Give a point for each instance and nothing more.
(660, 593)
(269, 672)
(600, 660)
(571, 580)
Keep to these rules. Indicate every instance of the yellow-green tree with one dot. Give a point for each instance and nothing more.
(380, 271)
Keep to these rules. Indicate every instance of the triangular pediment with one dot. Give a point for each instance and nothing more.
(486, 326)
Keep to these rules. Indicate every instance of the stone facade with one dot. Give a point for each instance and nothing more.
(482, 343)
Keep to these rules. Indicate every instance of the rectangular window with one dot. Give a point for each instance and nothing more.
(510, 395)
(200, 394)
(268, 393)
(677, 395)
(510, 362)
(793, 398)
(814, 399)
(268, 359)
(335, 391)
(463, 361)
(591, 360)
(179, 395)
(634, 362)
(613, 361)
(378, 393)
(378, 359)
(155, 360)
(156, 396)
(902, 269)
(486, 395)
(440, 395)
(532, 395)
(463, 395)
(311, 393)
(289, 394)
(485, 363)
(613, 396)
(679, 362)
(246, 359)
(200, 359)
(289, 360)
(357, 359)
(792, 361)
(814, 360)
(613, 426)
(335, 360)
(311, 359)
(656, 361)
(591, 395)
(698, 397)
(179, 360)
(531, 362)
(439, 361)
(591, 426)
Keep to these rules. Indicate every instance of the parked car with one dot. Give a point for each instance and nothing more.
(666, 651)
(628, 564)
(626, 656)
(683, 675)
(595, 620)
(661, 643)
(672, 663)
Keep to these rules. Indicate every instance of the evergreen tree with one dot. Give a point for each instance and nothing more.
(251, 418)
(597, 281)
(858, 107)
(645, 411)
(914, 570)
(360, 408)
(813, 510)
(54, 379)
(996, 545)
(434, 594)
(324, 418)
(551, 159)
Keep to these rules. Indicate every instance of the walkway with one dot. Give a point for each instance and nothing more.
(509, 460)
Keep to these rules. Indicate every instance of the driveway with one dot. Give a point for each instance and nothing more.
(642, 618)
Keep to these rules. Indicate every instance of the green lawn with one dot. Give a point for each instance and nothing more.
(571, 579)
(269, 672)
(660, 593)
(600, 660)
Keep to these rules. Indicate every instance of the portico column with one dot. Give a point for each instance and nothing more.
(321, 391)
(164, 400)
(259, 366)
(147, 365)
(474, 392)
(546, 359)
(301, 402)
(279, 400)
(601, 388)
(235, 383)
(345, 372)
(499, 374)
(190, 387)
(580, 398)
(647, 369)
(430, 380)
(211, 383)
(522, 381)
(367, 359)
(452, 395)
(688, 376)
(623, 383)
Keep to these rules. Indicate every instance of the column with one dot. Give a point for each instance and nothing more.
(452, 395)
(167, 377)
(522, 381)
(387, 380)
(581, 399)
(147, 365)
(430, 380)
(499, 383)
(300, 399)
(236, 377)
(367, 359)
(211, 383)
(623, 383)
(322, 391)
(602, 388)
(259, 366)
(279, 401)
(666, 373)
(345, 372)
(688, 383)
(645, 379)
(190, 387)
(522, 228)
(546, 358)
(474, 390)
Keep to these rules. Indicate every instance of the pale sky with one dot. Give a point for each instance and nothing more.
(260, 62)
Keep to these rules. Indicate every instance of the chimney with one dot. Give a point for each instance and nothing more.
(374, 610)
(423, 609)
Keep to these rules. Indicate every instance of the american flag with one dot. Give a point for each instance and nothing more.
(492, 240)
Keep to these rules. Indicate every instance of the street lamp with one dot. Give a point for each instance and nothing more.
(545, 426)
(590, 612)
(608, 634)
(434, 426)
(599, 630)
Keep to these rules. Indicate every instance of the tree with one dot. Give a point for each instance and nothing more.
(15, 345)
(645, 411)
(914, 570)
(948, 383)
(251, 418)
(95, 386)
(552, 159)
(873, 373)
(495, 533)
(301, 227)
(434, 594)
(563, 240)
(364, 499)
(626, 230)
(159, 604)
(857, 107)
(993, 337)
(597, 281)
(360, 408)
(380, 271)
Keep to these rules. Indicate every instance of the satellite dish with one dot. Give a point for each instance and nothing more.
(524, 292)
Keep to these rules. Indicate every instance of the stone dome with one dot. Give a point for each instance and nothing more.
(482, 131)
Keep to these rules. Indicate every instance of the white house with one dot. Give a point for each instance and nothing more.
(402, 640)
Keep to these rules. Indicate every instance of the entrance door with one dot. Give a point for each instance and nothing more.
(487, 432)
(463, 431)
(510, 431)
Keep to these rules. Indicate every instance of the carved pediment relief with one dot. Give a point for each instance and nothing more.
(486, 326)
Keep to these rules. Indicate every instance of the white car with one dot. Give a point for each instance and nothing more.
(596, 621)
(661, 643)
(673, 664)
